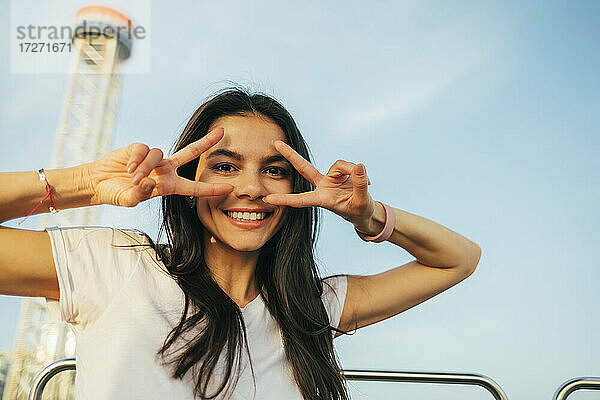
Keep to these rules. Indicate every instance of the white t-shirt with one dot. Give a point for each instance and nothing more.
(121, 308)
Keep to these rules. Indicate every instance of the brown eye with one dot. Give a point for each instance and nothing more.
(278, 171)
(223, 168)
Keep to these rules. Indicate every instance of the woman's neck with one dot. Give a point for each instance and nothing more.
(233, 270)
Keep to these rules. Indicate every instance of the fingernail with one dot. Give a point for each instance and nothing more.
(131, 167)
(362, 170)
(147, 187)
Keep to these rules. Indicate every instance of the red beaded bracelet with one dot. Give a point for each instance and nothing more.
(42, 175)
(52, 209)
(388, 229)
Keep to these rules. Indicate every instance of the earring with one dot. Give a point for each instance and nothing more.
(191, 200)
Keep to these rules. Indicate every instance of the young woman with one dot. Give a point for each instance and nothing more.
(241, 311)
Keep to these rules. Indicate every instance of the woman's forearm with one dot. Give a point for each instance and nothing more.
(21, 192)
(430, 243)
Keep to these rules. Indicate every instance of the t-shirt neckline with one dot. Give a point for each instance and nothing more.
(251, 303)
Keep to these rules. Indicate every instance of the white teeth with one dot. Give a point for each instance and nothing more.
(246, 216)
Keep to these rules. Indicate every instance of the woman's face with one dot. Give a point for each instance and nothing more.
(245, 158)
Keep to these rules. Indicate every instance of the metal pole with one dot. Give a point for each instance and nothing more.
(564, 390)
(428, 377)
(40, 381)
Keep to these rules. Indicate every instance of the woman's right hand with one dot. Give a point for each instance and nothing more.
(129, 175)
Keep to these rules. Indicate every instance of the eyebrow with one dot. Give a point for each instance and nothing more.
(239, 157)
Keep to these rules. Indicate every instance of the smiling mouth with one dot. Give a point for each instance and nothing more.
(247, 216)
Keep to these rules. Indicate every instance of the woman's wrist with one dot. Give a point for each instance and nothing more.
(375, 223)
(21, 192)
(71, 187)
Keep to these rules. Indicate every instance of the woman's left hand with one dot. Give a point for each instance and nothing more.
(343, 190)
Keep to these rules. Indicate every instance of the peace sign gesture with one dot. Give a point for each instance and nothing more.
(343, 190)
(132, 174)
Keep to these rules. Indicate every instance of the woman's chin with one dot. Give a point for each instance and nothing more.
(245, 245)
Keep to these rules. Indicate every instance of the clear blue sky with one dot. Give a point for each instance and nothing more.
(480, 116)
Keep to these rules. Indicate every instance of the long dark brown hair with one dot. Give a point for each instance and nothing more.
(286, 275)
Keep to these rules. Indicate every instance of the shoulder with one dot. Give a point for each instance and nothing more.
(98, 232)
(98, 239)
(334, 297)
(334, 290)
(335, 283)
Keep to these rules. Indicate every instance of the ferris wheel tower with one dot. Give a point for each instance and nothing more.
(102, 40)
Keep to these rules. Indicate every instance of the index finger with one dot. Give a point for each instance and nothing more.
(305, 168)
(195, 149)
(187, 187)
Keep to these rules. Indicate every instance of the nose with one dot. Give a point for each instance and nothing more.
(249, 184)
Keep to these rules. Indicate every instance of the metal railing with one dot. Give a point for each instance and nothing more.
(428, 377)
(568, 387)
(40, 381)
(564, 390)
(65, 364)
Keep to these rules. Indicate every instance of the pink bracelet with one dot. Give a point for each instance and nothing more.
(390, 222)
